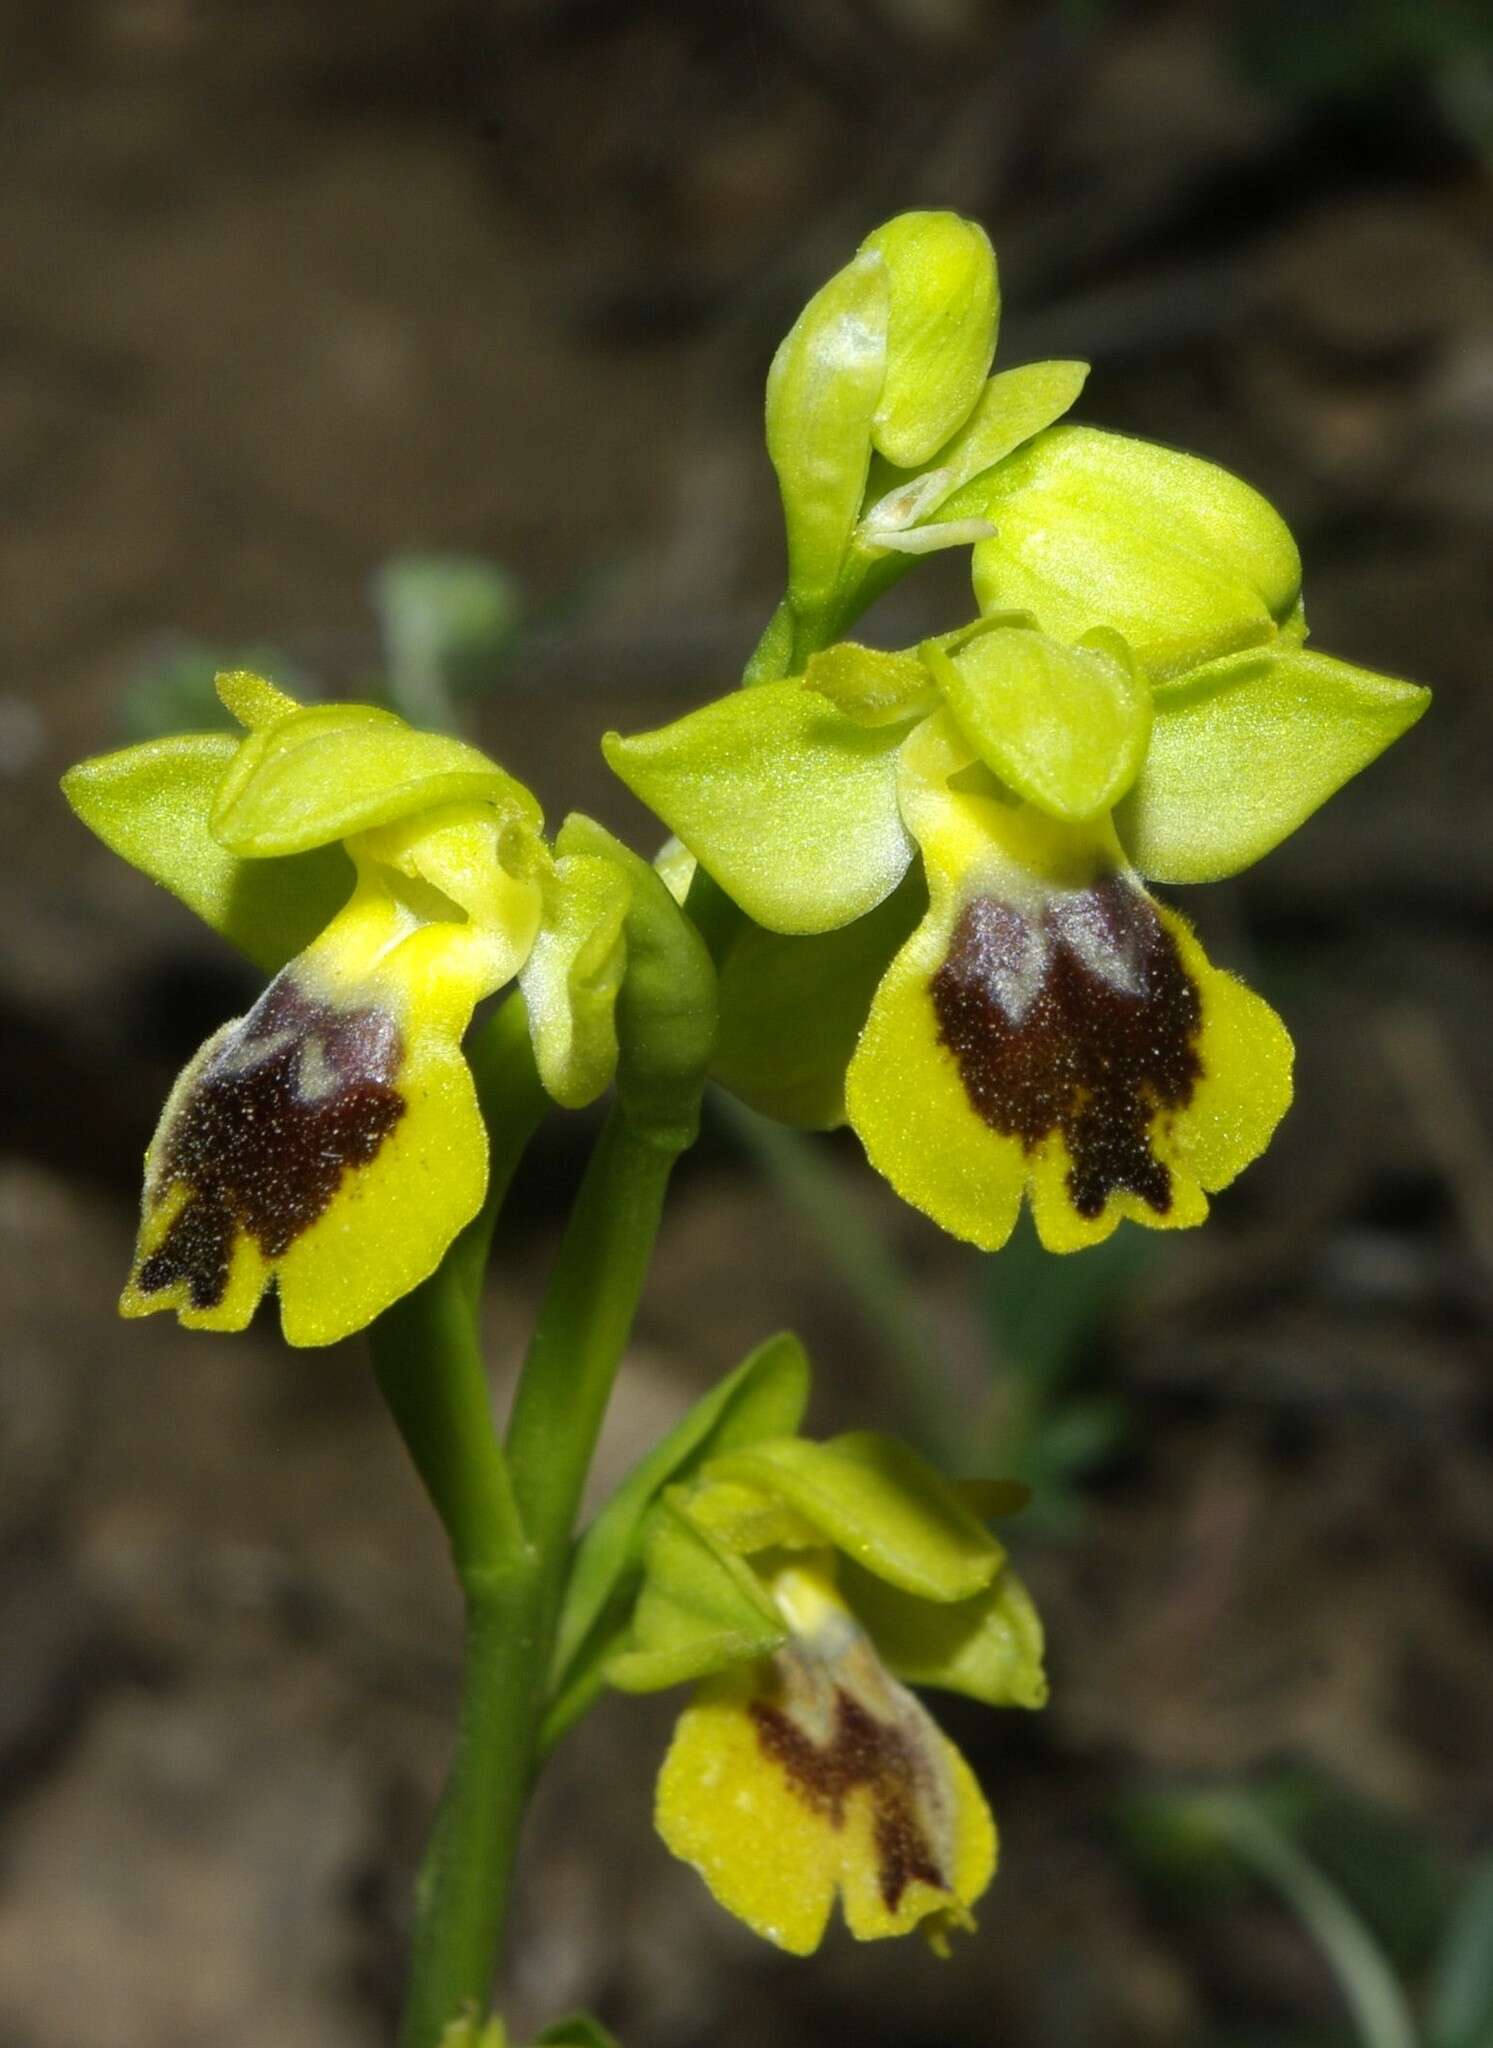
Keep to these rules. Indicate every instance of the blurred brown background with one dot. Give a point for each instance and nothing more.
(287, 290)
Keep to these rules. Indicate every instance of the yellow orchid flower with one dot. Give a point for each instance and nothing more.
(944, 858)
(802, 1583)
(813, 1775)
(329, 1142)
(1062, 1035)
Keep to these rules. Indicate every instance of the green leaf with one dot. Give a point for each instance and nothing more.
(448, 621)
(789, 804)
(877, 1501)
(700, 1610)
(1459, 2008)
(666, 1006)
(1015, 405)
(792, 1008)
(1065, 727)
(578, 2031)
(822, 393)
(470, 2031)
(1044, 1314)
(764, 1397)
(1183, 560)
(150, 804)
(944, 308)
(335, 769)
(1246, 749)
(988, 1646)
(571, 977)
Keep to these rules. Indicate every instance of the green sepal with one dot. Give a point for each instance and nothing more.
(335, 769)
(700, 1610)
(822, 393)
(1186, 562)
(988, 1646)
(1244, 750)
(666, 1006)
(789, 804)
(572, 974)
(875, 1500)
(870, 685)
(793, 1008)
(150, 804)
(1014, 406)
(764, 1397)
(944, 309)
(1065, 727)
(577, 2030)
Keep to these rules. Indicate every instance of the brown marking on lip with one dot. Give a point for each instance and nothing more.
(859, 1751)
(1083, 1022)
(297, 1094)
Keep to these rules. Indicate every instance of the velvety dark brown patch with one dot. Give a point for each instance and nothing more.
(1085, 1022)
(297, 1094)
(860, 1751)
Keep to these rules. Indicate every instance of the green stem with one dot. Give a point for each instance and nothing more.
(1368, 1984)
(429, 1368)
(585, 1322)
(461, 1895)
(425, 1348)
(428, 1362)
(510, 1518)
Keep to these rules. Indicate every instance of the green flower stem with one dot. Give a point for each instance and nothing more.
(428, 1362)
(429, 1367)
(511, 1536)
(1368, 1984)
(461, 1895)
(586, 1320)
(425, 1348)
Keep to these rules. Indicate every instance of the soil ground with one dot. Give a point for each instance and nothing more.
(288, 290)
